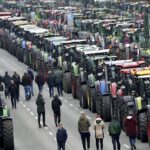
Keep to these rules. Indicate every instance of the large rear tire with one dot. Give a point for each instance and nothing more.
(73, 88)
(98, 102)
(8, 137)
(67, 82)
(84, 96)
(106, 108)
(92, 100)
(142, 121)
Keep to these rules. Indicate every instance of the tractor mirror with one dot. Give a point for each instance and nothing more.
(147, 82)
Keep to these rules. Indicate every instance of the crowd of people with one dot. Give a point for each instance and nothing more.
(10, 87)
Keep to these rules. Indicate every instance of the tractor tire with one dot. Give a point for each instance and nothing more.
(68, 82)
(8, 137)
(73, 88)
(98, 102)
(84, 98)
(105, 110)
(142, 122)
(78, 88)
(92, 100)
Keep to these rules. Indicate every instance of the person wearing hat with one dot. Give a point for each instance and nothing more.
(61, 136)
(40, 109)
(83, 128)
(50, 82)
(99, 133)
(114, 130)
(130, 126)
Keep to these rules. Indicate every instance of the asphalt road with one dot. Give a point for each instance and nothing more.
(26, 132)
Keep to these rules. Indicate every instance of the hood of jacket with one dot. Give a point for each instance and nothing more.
(98, 121)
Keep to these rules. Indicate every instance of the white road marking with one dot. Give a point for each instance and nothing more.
(46, 128)
(71, 105)
(47, 88)
(32, 113)
(89, 117)
(51, 133)
(65, 101)
(127, 146)
(28, 109)
(55, 139)
(36, 118)
(20, 102)
(24, 105)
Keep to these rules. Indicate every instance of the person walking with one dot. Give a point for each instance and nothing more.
(99, 133)
(41, 109)
(16, 79)
(56, 104)
(50, 82)
(83, 128)
(114, 130)
(7, 82)
(31, 74)
(59, 81)
(130, 126)
(61, 136)
(26, 82)
(40, 81)
(13, 95)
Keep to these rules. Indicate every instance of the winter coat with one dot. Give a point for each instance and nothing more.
(61, 135)
(39, 79)
(7, 80)
(40, 104)
(16, 79)
(12, 90)
(98, 127)
(30, 72)
(50, 80)
(130, 126)
(58, 76)
(56, 103)
(26, 80)
(83, 124)
(114, 128)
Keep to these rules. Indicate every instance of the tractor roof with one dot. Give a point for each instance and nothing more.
(118, 62)
(132, 64)
(96, 51)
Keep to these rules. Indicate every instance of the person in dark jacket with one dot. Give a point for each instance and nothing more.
(40, 81)
(59, 81)
(61, 137)
(40, 109)
(50, 82)
(114, 130)
(31, 74)
(130, 126)
(83, 128)
(12, 91)
(26, 82)
(16, 79)
(56, 103)
(7, 82)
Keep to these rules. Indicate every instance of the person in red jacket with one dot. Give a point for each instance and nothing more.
(130, 126)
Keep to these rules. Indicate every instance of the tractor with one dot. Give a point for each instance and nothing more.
(6, 127)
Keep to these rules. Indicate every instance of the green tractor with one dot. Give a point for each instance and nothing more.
(6, 128)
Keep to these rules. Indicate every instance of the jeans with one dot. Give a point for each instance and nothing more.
(60, 88)
(85, 137)
(27, 91)
(57, 118)
(31, 87)
(51, 90)
(61, 146)
(97, 143)
(132, 140)
(40, 87)
(115, 140)
(39, 118)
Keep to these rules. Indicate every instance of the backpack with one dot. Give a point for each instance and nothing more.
(1, 87)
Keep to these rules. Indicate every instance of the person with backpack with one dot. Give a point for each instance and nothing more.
(31, 74)
(114, 130)
(56, 104)
(61, 137)
(2, 89)
(99, 133)
(16, 79)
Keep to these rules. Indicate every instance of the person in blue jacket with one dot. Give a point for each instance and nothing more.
(61, 137)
